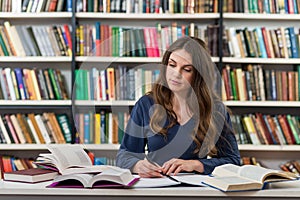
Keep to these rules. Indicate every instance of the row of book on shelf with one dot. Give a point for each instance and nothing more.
(114, 83)
(266, 129)
(102, 127)
(31, 128)
(151, 6)
(35, 6)
(35, 40)
(262, 42)
(288, 166)
(119, 41)
(94, 39)
(32, 84)
(262, 6)
(253, 83)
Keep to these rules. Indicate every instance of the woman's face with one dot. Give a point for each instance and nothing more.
(179, 71)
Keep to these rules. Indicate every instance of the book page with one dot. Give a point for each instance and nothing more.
(255, 172)
(154, 182)
(226, 170)
(191, 179)
(70, 156)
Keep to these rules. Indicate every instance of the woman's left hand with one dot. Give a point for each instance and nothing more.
(178, 165)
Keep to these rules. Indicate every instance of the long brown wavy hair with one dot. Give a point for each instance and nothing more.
(202, 97)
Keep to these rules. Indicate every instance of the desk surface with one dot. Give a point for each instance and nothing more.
(10, 190)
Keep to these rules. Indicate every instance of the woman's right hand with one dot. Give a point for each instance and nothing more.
(147, 170)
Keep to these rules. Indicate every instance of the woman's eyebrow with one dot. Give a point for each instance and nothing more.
(186, 65)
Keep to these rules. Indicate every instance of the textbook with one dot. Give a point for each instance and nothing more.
(111, 177)
(68, 159)
(182, 179)
(32, 175)
(231, 177)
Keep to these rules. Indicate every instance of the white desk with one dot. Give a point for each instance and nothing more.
(10, 191)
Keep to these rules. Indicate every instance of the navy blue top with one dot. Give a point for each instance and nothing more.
(177, 144)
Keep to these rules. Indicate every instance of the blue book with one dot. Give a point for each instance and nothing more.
(294, 46)
(69, 5)
(261, 43)
(21, 85)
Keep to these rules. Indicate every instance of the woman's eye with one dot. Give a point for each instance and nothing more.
(187, 70)
(172, 65)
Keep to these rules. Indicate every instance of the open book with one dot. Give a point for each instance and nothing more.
(231, 177)
(111, 177)
(180, 179)
(68, 159)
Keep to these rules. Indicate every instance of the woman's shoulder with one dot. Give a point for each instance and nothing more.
(145, 100)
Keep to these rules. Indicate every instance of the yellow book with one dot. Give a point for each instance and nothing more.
(35, 84)
(97, 128)
(251, 130)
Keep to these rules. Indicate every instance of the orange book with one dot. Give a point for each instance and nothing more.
(291, 86)
(111, 83)
(57, 128)
(29, 84)
(36, 127)
(24, 129)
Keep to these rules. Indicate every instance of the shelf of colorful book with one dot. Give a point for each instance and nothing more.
(41, 15)
(103, 103)
(35, 59)
(124, 59)
(263, 103)
(283, 148)
(35, 103)
(258, 16)
(146, 16)
(18, 147)
(261, 60)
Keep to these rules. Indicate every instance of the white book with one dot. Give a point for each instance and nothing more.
(18, 129)
(19, 43)
(235, 45)
(10, 84)
(4, 131)
(110, 128)
(13, 38)
(40, 5)
(103, 85)
(39, 40)
(34, 6)
(43, 128)
(34, 133)
(16, 6)
(49, 47)
(4, 92)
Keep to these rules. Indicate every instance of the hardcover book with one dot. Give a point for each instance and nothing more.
(231, 177)
(32, 175)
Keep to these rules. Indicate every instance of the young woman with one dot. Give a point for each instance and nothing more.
(182, 122)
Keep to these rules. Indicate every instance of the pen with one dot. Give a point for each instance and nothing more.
(156, 164)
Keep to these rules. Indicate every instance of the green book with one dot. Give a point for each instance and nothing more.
(64, 124)
(298, 70)
(55, 84)
(293, 128)
(233, 84)
(2, 45)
